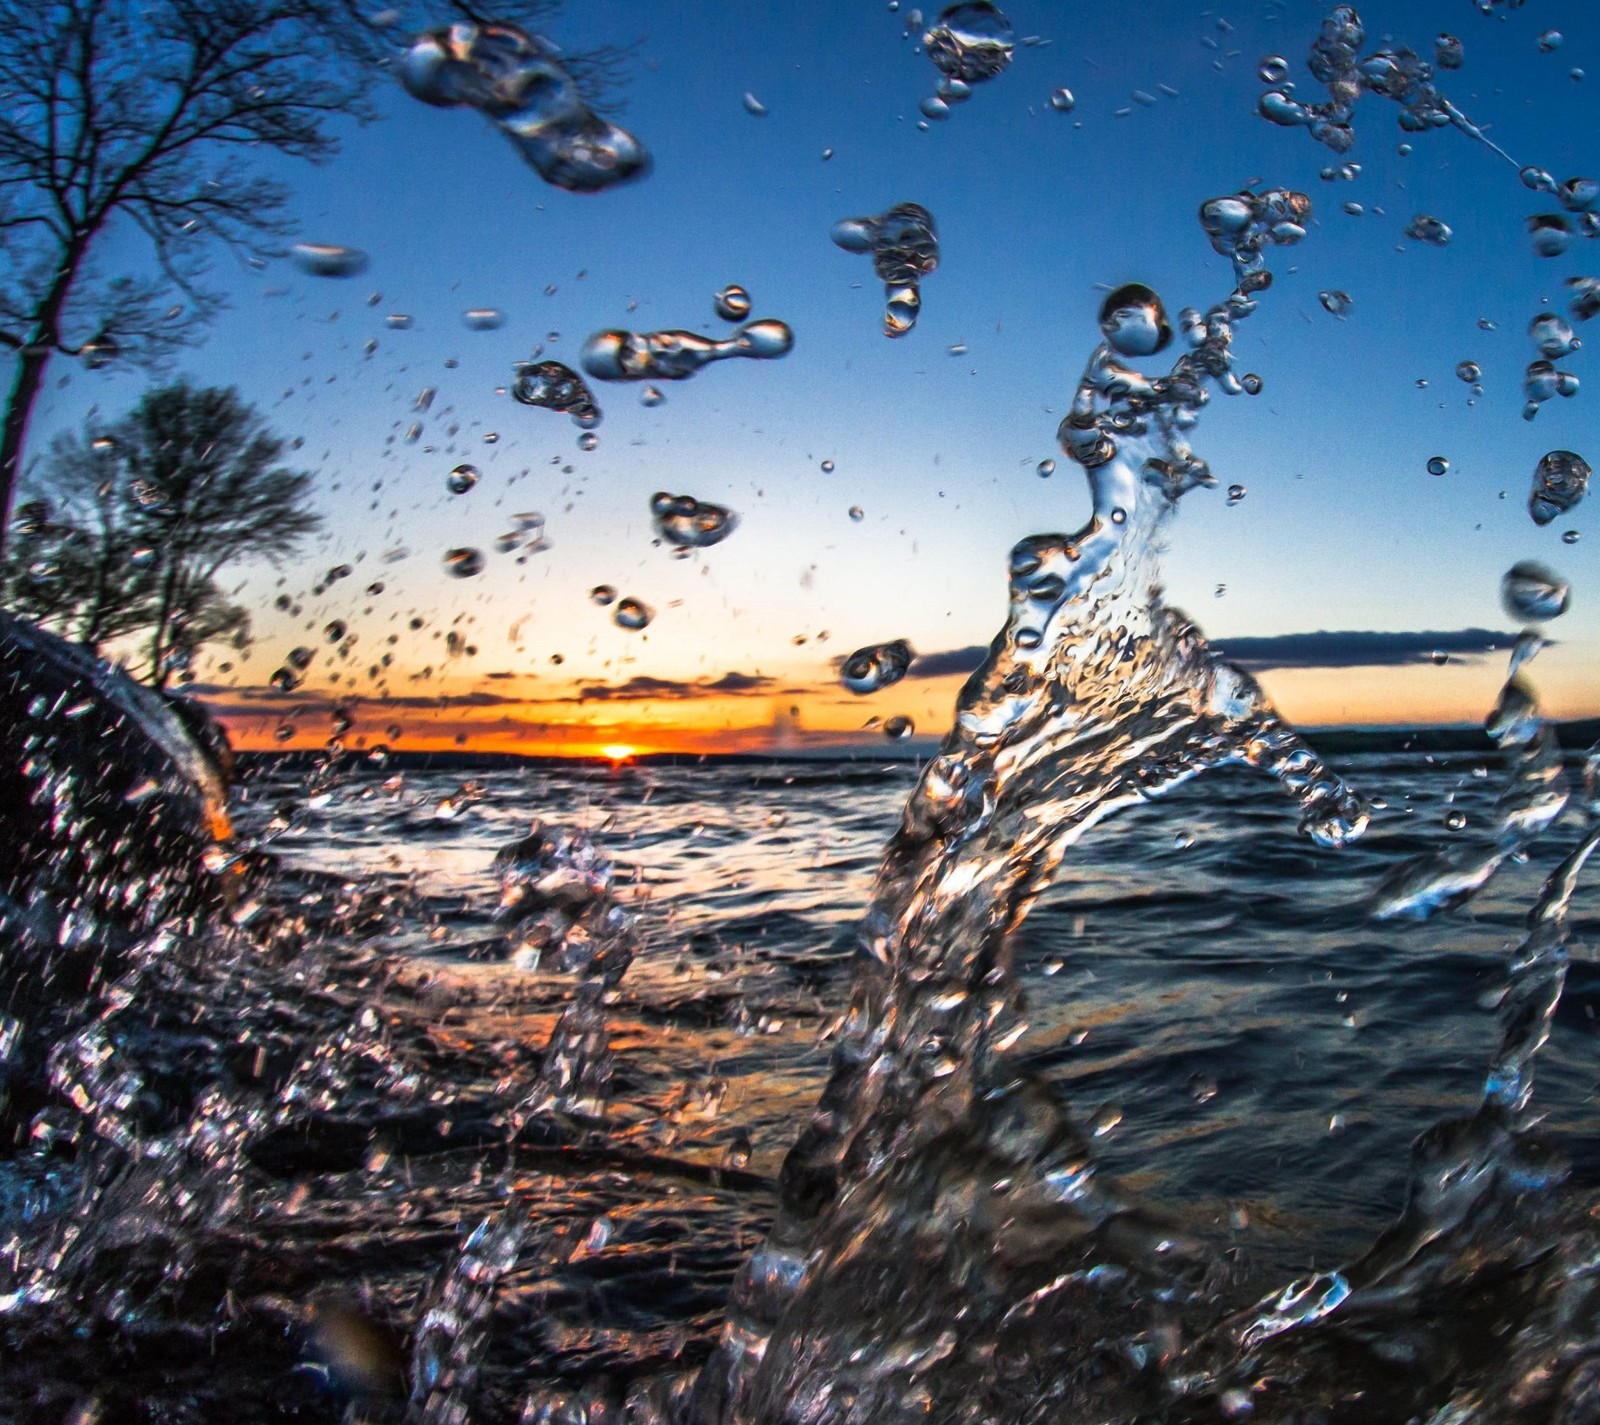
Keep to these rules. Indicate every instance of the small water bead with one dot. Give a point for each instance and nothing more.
(1437, 465)
(1448, 52)
(1455, 820)
(300, 658)
(754, 106)
(1062, 102)
(1134, 321)
(1550, 234)
(556, 387)
(1469, 371)
(972, 42)
(651, 396)
(588, 441)
(1570, 537)
(935, 108)
(603, 594)
(462, 479)
(324, 259)
(483, 319)
(1585, 300)
(632, 614)
(1274, 69)
(1552, 336)
(1424, 228)
(688, 523)
(826, 467)
(1252, 384)
(673, 355)
(1533, 593)
(398, 321)
(857, 513)
(1560, 481)
(335, 630)
(1354, 209)
(463, 563)
(1484, 324)
(1335, 301)
(898, 728)
(877, 666)
(904, 243)
(1045, 469)
(1106, 1120)
(732, 303)
(1236, 493)
(516, 81)
(1550, 40)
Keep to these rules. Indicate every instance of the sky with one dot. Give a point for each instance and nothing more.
(936, 437)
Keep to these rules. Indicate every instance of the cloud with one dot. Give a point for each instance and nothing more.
(641, 688)
(1359, 648)
(738, 683)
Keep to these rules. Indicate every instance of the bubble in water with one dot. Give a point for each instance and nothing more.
(904, 243)
(1424, 228)
(617, 355)
(1062, 102)
(463, 563)
(1274, 69)
(516, 81)
(632, 614)
(1236, 493)
(1469, 371)
(556, 387)
(754, 106)
(732, 303)
(1533, 593)
(1335, 301)
(971, 42)
(1550, 234)
(325, 259)
(688, 523)
(1045, 469)
(1560, 481)
(1448, 52)
(462, 479)
(483, 319)
(1437, 465)
(1552, 336)
(1550, 40)
(1134, 321)
(877, 666)
(603, 594)
(898, 728)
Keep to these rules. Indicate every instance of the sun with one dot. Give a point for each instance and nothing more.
(618, 751)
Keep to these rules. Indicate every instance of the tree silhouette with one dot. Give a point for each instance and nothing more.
(142, 516)
(144, 116)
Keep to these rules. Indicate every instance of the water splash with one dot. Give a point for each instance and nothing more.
(904, 243)
(516, 80)
(676, 355)
(929, 1162)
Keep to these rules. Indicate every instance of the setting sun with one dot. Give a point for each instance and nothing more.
(618, 751)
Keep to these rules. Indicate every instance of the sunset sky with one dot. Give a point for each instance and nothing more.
(936, 437)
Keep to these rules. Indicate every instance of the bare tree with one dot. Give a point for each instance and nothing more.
(144, 514)
(145, 115)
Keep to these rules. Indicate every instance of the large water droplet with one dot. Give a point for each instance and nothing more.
(462, 479)
(323, 259)
(1274, 69)
(1560, 481)
(732, 303)
(898, 728)
(632, 614)
(971, 42)
(1134, 321)
(1469, 371)
(1552, 336)
(463, 563)
(483, 319)
(1550, 234)
(1448, 52)
(904, 243)
(688, 523)
(879, 665)
(603, 594)
(557, 388)
(617, 355)
(1437, 465)
(1424, 228)
(1062, 102)
(1533, 593)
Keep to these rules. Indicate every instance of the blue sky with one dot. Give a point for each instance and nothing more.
(1342, 527)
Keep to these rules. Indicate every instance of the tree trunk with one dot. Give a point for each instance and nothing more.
(158, 671)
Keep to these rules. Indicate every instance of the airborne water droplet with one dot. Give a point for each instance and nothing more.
(1448, 52)
(1550, 40)
(464, 563)
(857, 513)
(754, 106)
(971, 42)
(732, 303)
(898, 728)
(877, 666)
(603, 594)
(1062, 102)
(588, 441)
(1274, 69)
(462, 479)
(1437, 465)
(826, 467)
(1045, 469)
(1560, 481)
(1533, 593)
(632, 614)
(1235, 494)
(1469, 371)
(904, 243)
(1430, 230)
(322, 259)
(557, 388)
(651, 396)
(688, 523)
(1335, 301)
(483, 319)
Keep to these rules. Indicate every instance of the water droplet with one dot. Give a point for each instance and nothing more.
(904, 243)
(1430, 230)
(463, 563)
(688, 523)
(1335, 301)
(1469, 371)
(632, 614)
(1550, 40)
(1533, 593)
(1560, 481)
(335, 630)
(1251, 384)
(557, 388)
(588, 441)
(1552, 336)
(877, 666)
(603, 594)
(651, 396)
(1570, 537)
(462, 479)
(516, 81)
(617, 355)
(935, 108)
(754, 106)
(1106, 1120)
(1448, 52)
(1550, 234)
(1274, 69)
(1236, 493)
(827, 467)
(323, 259)
(1134, 321)
(1455, 820)
(1437, 465)
(1585, 300)
(398, 321)
(1354, 209)
(483, 319)
(1062, 102)
(971, 42)
(897, 728)
(857, 513)
(732, 303)
(1045, 469)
